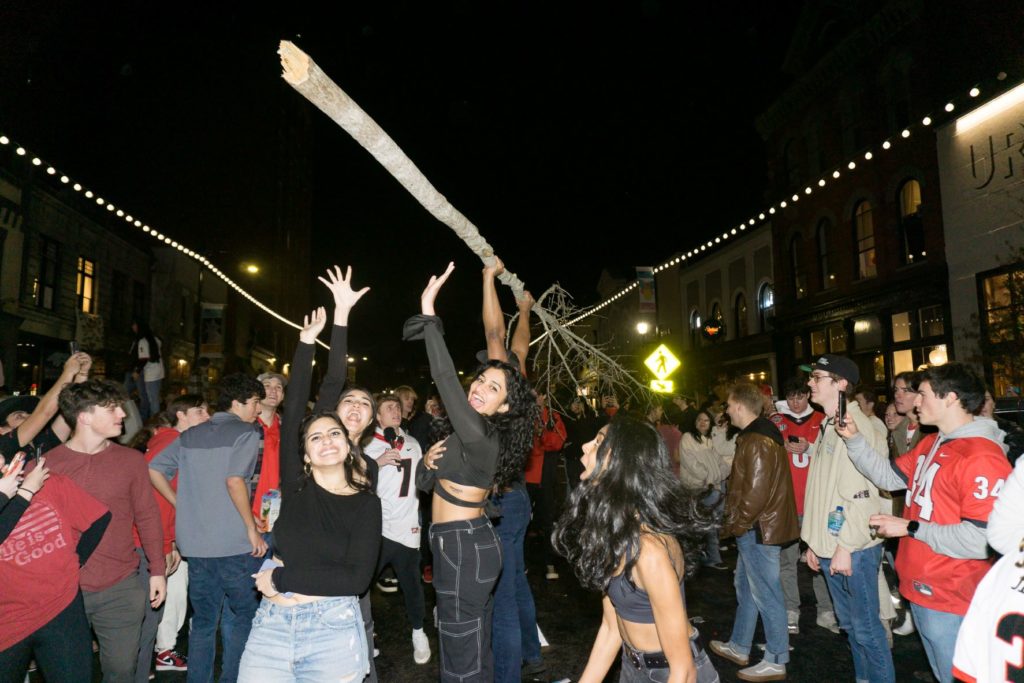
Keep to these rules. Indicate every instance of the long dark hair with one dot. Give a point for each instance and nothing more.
(631, 492)
(147, 334)
(514, 426)
(355, 468)
(695, 433)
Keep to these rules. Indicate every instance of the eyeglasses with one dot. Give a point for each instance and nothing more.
(818, 378)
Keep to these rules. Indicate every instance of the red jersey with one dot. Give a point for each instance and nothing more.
(807, 427)
(547, 441)
(161, 439)
(270, 465)
(39, 562)
(947, 483)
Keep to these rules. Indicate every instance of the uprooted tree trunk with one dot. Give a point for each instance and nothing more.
(561, 357)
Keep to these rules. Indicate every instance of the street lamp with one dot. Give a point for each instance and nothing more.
(643, 327)
(251, 268)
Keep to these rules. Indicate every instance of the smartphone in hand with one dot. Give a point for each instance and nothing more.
(841, 414)
(73, 347)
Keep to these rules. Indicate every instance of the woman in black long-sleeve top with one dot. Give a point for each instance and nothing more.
(331, 394)
(492, 433)
(326, 540)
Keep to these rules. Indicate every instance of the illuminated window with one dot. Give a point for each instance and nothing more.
(740, 310)
(826, 265)
(1002, 328)
(819, 343)
(695, 323)
(836, 339)
(911, 227)
(86, 285)
(933, 321)
(864, 231)
(796, 263)
(902, 327)
(766, 304)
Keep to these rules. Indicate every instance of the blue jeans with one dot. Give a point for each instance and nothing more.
(514, 635)
(316, 641)
(211, 582)
(467, 563)
(855, 599)
(759, 591)
(938, 633)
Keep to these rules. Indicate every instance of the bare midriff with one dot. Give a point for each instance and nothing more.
(443, 511)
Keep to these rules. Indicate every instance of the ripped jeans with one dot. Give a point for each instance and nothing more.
(467, 562)
(319, 641)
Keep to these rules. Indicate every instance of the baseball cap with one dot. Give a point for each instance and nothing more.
(837, 365)
(16, 404)
(272, 375)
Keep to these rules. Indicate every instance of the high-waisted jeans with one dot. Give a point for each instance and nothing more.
(467, 563)
(642, 667)
(314, 641)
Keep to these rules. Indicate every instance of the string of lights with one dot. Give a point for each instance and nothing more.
(152, 232)
(764, 216)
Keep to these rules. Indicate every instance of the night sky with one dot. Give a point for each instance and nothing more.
(576, 136)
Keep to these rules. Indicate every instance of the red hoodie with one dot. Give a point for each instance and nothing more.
(547, 441)
(161, 439)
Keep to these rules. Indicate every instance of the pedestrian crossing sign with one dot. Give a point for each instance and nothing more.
(662, 386)
(662, 362)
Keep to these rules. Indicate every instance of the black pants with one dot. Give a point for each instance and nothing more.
(467, 563)
(406, 563)
(62, 649)
(545, 497)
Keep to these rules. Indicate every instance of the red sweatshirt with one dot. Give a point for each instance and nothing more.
(160, 440)
(270, 467)
(549, 440)
(118, 477)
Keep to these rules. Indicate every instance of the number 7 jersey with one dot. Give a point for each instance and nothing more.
(948, 482)
(396, 488)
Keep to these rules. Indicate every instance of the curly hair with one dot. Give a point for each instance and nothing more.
(514, 426)
(355, 468)
(75, 399)
(238, 387)
(631, 492)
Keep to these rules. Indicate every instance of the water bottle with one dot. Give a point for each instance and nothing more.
(835, 520)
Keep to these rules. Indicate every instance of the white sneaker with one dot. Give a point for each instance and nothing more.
(763, 671)
(827, 620)
(552, 573)
(420, 647)
(907, 627)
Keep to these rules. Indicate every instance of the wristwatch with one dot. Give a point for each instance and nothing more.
(912, 528)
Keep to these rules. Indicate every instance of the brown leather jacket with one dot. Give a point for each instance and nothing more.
(760, 487)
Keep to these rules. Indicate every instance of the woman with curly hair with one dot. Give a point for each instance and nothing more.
(326, 541)
(492, 431)
(631, 532)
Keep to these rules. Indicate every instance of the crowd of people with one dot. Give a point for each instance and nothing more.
(271, 519)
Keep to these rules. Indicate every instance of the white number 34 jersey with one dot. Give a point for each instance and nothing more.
(990, 646)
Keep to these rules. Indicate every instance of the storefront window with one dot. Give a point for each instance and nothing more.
(819, 343)
(901, 327)
(867, 333)
(933, 323)
(836, 339)
(902, 361)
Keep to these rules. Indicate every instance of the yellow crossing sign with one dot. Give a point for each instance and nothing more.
(662, 362)
(662, 386)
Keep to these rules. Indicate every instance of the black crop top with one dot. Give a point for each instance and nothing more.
(632, 603)
(471, 455)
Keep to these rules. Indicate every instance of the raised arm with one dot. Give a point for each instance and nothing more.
(467, 422)
(494, 320)
(521, 337)
(345, 299)
(47, 408)
(296, 397)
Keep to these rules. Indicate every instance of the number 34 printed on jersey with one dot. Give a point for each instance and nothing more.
(924, 478)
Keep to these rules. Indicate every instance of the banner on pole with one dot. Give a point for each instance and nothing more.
(645, 277)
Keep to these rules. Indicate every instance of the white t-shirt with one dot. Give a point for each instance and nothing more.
(989, 646)
(153, 371)
(396, 488)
